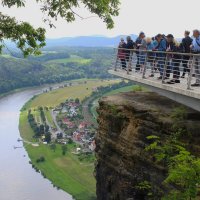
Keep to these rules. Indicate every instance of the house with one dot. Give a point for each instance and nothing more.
(77, 136)
(64, 110)
(69, 124)
(73, 104)
(83, 125)
(94, 89)
(78, 150)
(92, 145)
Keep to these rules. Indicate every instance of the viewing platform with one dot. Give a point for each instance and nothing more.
(147, 77)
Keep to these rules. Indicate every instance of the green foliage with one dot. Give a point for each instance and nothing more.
(179, 113)
(70, 141)
(40, 159)
(42, 115)
(48, 137)
(53, 147)
(86, 157)
(30, 40)
(77, 100)
(64, 149)
(145, 187)
(183, 168)
(138, 88)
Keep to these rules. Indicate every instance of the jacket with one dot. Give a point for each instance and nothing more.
(186, 42)
(130, 45)
(121, 52)
(162, 46)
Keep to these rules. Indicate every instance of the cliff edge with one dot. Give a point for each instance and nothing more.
(125, 120)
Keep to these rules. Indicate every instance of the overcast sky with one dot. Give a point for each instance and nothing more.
(150, 16)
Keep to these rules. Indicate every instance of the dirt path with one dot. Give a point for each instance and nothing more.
(86, 112)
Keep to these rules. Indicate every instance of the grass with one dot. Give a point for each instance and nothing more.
(55, 97)
(72, 59)
(25, 130)
(49, 117)
(67, 172)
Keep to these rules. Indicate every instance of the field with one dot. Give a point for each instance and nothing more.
(72, 59)
(65, 171)
(80, 91)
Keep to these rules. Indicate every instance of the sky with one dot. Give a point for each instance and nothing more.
(150, 16)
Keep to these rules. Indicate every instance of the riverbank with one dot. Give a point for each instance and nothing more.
(41, 86)
(70, 172)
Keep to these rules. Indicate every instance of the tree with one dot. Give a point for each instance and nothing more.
(53, 147)
(29, 40)
(48, 137)
(64, 149)
(77, 100)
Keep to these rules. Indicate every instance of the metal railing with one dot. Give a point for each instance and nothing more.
(168, 67)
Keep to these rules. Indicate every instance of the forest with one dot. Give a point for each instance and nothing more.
(54, 65)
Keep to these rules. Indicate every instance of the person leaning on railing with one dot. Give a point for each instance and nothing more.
(142, 53)
(186, 42)
(137, 44)
(122, 53)
(150, 55)
(196, 50)
(129, 46)
(170, 48)
(162, 46)
(176, 61)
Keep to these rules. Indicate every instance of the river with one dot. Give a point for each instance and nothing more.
(18, 180)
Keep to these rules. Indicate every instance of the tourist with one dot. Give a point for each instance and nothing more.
(150, 55)
(196, 50)
(129, 46)
(186, 42)
(155, 44)
(142, 52)
(170, 47)
(162, 46)
(176, 61)
(122, 53)
(138, 43)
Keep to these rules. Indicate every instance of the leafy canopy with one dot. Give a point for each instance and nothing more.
(29, 40)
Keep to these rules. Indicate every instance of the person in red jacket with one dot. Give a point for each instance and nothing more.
(122, 53)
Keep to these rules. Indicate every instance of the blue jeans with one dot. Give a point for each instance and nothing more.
(161, 63)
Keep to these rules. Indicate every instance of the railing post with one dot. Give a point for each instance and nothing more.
(164, 69)
(129, 62)
(145, 67)
(190, 74)
(116, 63)
(116, 59)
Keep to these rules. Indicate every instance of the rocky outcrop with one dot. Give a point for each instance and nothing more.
(123, 166)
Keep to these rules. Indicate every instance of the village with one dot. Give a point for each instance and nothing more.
(70, 126)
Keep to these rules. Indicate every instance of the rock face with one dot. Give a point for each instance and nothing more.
(123, 166)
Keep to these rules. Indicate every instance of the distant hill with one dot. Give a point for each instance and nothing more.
(81, 41)
(87, 41)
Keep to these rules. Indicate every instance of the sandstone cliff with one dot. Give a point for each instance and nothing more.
(125, 120)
